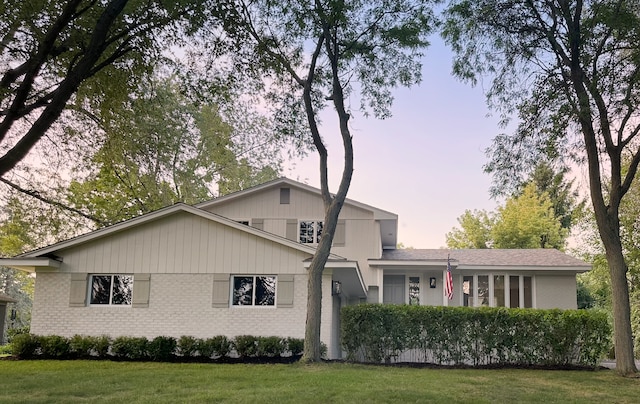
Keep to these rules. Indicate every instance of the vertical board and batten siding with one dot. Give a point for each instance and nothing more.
(183, 243)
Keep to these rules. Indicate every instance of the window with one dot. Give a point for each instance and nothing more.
(492, 290)
(310, 232)
(111, 289)
(244, 222)
(414, 290)
(254, 290)
(285, 196)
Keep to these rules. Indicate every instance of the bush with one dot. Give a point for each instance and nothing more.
(270, 346)
(295, 346)
(133, 348)
(5, 350)
(218, 346)
(54, 346)
(101, 345)
(477, 336)
(12, 332)
(246, 346)
(81, 345)
(187, 346)
(25, 346)
(162, 349)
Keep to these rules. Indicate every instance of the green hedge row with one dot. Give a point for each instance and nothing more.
(474, 336)
(157, 349)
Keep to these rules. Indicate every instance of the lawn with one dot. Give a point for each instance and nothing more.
(104, 381)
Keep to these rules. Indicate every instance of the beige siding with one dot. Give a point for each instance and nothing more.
(183, 243)
(556, 291)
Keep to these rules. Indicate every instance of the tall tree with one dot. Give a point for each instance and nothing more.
(56, 52)
(572, 70)
(160, 148)
(524, 221)
(320, 53)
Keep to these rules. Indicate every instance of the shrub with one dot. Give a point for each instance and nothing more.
(187, 346)
(24, 346)
(12, 332)
(133, 348)
(5, 350)
(54, 346)
(295, 346)
(81, 345)
(270, 346)
(162, 349)
(246, 346)
(218, 346)
(101, 345)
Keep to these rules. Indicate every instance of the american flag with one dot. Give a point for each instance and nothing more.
(448, 285)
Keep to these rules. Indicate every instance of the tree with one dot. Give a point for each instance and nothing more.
(525, 221)
(572, 70)
(320, 53)
(474, 232)
(76, 51)
(161, 148)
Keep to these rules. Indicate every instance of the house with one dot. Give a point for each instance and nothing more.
(4, 300)
(237, 265)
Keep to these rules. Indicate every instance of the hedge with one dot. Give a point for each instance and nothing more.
(474, 336)
(160, 349)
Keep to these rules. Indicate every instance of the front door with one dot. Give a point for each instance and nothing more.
(393, 289)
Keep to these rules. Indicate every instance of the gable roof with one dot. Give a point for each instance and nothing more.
(4, 298)
(534, 259)
(149, 217)
(388, 220)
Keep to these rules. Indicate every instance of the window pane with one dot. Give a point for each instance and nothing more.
(319, 227)
(414, 290)
(306, 232)
(498, 290)
(467, 291)
(122, 289)
(483, 290)
(514, 291)
(527, 292)
(265, 290)
(242, 290)
(100, 289)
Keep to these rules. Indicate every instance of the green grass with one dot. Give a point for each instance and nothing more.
(104, 381)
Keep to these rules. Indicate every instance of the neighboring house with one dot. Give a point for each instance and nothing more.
(4, 300)
(238, 265)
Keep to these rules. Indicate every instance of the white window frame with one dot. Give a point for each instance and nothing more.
(253, 296)
(507, 288)
(110, 304)
(315, 231)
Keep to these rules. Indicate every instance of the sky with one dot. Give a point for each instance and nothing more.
(425, 163)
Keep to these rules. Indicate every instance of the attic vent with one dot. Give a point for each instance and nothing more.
(285, 194)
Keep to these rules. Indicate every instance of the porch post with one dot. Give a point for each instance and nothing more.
(445, 300)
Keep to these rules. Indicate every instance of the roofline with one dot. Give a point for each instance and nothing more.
(342, 264)
(161, 213)
(398, 264)
(30, 264)
(379, 214)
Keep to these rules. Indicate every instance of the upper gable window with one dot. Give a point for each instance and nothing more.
(285, 196)
(311, 232)
(111, 289)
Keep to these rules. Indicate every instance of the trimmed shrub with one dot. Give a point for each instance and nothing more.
(101, 345)
(187, 346)
(12, 332)
(162, 349)
(475, 336)
(246, 346)
(54, 346)
(295, 346)
(270, 347)
(25, 346)
(81, 345)
(132, 348)
(218, 346)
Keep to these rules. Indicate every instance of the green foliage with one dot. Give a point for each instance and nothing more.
(295, 346)
(481, 336)
(270, 347)
(246, 346)
(81, 345)
(162, 349)
(187, 346)
(12, 332)
(132, 348)
(218, 346)
(54, 346)
(524, 221)
(5, 350)
(25, 346)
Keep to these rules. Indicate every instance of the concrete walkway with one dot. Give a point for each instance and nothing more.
(611, 363)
